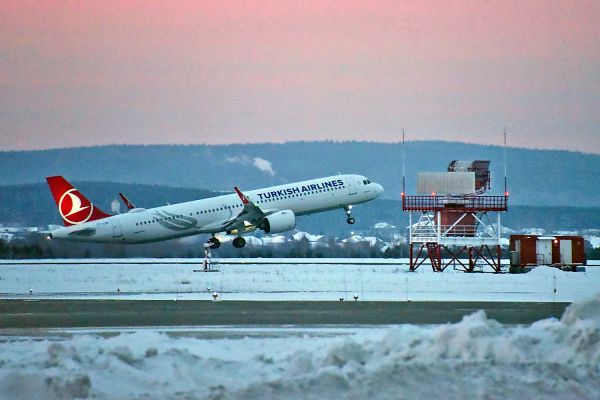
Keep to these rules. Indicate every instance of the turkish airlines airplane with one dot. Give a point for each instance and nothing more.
(272, 210)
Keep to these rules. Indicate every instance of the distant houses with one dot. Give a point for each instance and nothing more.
(14, 232)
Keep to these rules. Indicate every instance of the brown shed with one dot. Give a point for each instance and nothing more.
(523, 247)
(556, 250)
(568, 250)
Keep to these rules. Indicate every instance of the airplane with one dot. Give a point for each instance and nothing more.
(272, 210)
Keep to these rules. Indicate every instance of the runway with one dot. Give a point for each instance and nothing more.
(144, 313)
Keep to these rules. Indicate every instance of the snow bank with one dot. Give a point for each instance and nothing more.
(475, 358)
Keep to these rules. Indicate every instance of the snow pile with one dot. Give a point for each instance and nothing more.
(477, 357)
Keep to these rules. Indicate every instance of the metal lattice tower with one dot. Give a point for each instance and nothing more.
(451, 225)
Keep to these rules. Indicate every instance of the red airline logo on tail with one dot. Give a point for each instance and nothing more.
(73, 206)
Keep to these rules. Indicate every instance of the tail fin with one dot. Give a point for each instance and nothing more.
(74, 207)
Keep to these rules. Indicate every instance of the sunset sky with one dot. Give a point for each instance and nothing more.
(100, 72)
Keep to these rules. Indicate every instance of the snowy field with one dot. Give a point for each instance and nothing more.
(475, 358)
(281, 279)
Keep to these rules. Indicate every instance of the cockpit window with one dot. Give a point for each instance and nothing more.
(366, 182)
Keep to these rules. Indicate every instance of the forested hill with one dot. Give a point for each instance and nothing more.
(536, 177)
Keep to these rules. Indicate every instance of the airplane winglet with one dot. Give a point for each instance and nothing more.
(242, 196)
(128, 203)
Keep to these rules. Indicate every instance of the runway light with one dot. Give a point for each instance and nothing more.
(215, 296)
(433, 193)
(341, 299)
(355, 297)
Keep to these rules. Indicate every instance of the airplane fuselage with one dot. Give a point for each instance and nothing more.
(208, 215)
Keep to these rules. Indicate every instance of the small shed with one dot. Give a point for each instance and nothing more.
(557, 250)
(568, 250)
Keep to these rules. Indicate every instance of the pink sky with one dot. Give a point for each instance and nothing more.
(86, 73)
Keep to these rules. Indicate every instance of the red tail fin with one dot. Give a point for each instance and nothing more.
(74, 207)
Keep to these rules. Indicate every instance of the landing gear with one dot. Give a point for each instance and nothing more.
(350, 219)
(239, 242)
(214, 243)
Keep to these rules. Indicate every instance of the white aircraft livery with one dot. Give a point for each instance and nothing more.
(272, 210)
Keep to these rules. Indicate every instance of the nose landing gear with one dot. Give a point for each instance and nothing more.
(347, 210)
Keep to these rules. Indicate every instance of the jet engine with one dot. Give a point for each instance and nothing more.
(281, 221)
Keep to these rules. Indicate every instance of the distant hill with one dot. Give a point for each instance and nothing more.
(536, 177)
(32, 205)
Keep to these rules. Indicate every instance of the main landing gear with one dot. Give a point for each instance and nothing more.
(350, 219)
(214, 243)
(239, 242)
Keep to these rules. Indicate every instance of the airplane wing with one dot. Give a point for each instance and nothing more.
(251, 214)
(248, 219)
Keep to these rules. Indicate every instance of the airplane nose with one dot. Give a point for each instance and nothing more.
(378, 188)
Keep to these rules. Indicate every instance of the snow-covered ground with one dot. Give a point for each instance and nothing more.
(475, 358)
(159, 279)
